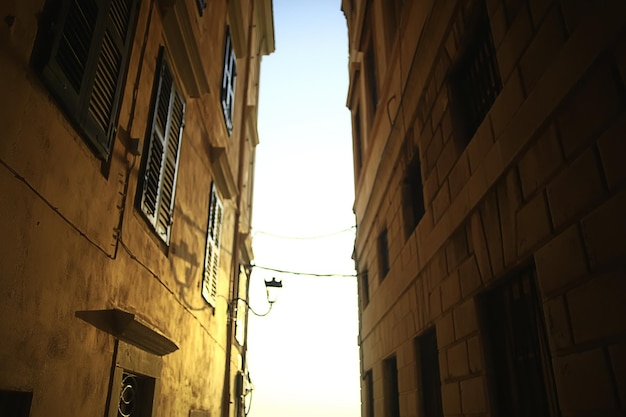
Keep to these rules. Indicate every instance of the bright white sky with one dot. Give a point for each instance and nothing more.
(303, 357)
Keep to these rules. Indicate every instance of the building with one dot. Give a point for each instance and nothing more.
(126, 172)
(489, 149)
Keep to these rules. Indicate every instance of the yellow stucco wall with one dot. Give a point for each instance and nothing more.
(61, 247)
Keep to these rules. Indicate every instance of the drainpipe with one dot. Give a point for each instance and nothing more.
(234, 279)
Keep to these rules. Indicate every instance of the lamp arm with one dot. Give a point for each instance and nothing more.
(234, 300)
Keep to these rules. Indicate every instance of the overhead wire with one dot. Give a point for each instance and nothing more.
(261, 232)
(311, 274)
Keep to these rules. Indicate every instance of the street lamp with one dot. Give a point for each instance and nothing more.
(271, 291)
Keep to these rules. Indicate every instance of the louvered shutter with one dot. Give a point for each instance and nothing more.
(88, 62)
(213, 243)
(100, 118)
(228, 83)
(161, 165)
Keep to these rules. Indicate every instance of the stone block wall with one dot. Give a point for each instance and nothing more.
(541, 187)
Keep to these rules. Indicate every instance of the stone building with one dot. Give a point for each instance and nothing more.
(490, 196)
(126, 175)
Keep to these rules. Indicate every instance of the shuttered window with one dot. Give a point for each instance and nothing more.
(228, 83)
(82, 52)
(212, 251)
(163, 149)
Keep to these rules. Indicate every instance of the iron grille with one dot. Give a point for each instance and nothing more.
(136, 395)
(518, 350)
(475, 79)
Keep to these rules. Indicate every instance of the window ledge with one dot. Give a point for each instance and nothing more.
(222, 172)
(127, 327)
(183, 47)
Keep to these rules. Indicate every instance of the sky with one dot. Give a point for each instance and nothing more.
(303, 357)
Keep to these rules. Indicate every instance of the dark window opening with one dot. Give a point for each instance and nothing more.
(81, 51)
(383, 254)
(15, 403)
(365, 288)
(412, 194)
(429, 382)
(392, 12)
(371, 76)
(474, 81)
(392, 393)
(201, 6)
(518, 351)
(358, 142)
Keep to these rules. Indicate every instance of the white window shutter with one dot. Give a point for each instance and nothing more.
(212, 251)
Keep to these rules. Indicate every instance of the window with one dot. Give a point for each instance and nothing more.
(517, 349)
(430, 382)
(201, 6)
(392, 12)
(368, 389)
(412, 191)
(136, 394)
(358, 142)
(82, 52)
(160, 164)
(371, 75)
(212, 251)
(392, 394)
(228, 83)
(474, 81)
(364, 282)
(383, 254)
(15, 403)
(369, 64)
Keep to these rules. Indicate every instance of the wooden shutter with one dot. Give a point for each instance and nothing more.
(161, 165)
(213, 243)
(87, 65)
(108, 78)
(228, 83)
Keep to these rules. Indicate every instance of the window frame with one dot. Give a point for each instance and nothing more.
(157, 189)
(86, 94)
